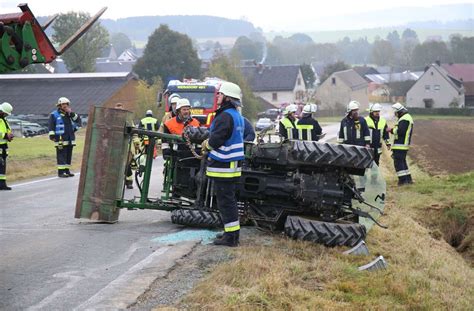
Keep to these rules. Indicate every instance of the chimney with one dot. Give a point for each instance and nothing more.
(438, 62)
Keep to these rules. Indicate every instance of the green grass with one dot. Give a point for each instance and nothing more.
(424, 272)
(36, 156)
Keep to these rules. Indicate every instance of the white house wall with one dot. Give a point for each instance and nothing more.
(441, 98)
(282, 97)
(339, 95)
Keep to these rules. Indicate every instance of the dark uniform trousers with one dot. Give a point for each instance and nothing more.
(401, 166)
(64, 157)
(226, 200)
(3, 165)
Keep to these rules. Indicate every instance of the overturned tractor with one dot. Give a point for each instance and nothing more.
(310, 190)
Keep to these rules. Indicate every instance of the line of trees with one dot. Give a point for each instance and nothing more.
(405, 52)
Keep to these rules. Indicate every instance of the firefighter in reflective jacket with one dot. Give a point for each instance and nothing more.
(354, 129)
(378, 131)
(177, 124)
(402, 132)
(6, 136)
(308, 128)
(63, 123)
(287, 125)
(226, 152)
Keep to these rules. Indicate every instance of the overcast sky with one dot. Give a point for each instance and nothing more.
(269, 15)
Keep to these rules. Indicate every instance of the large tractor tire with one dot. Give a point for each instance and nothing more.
(327, 233)
(315, 153)
(196, 218)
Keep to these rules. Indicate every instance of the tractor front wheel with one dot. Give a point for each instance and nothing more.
(327, 233)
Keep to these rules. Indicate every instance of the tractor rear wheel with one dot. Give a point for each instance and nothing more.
(196, 218)
(327, 233)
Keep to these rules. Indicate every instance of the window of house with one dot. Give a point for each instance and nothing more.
(299, 81)
(436, 87)
(333, 80)
(274, 96)
(427, 87)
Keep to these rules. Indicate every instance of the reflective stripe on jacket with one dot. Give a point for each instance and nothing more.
(402, 132)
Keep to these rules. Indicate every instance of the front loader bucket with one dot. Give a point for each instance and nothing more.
(103, 165)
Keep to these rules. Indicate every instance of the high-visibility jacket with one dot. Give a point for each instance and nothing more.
(4, 130)
(354, 132)
(176, 126)
(308, 129)
(378, 132)
(149, 123)
(225, 160)
(288, 128)
(403, 132)
(167, 116)
(62, 127)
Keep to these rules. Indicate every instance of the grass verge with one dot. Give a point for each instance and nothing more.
(424, 273)
(36, 156)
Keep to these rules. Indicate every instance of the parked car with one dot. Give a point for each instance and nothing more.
(263, 123)
(272, 114)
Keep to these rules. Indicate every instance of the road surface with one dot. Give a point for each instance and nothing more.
(51, 261)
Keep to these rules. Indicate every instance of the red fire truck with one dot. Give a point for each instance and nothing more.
(201, 94)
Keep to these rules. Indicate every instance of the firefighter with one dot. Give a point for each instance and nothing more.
(173, 100)
(224, 165)
(63, 123)
(308, 128)
(378, 131)
(287, 126)
(354, 129)
(177, 124)
(6, 136)
(402, 132)
(148, 122)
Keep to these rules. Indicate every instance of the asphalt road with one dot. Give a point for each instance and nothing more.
(51, 261)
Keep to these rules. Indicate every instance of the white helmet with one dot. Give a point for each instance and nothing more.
(6, 108)
(310, 108)
(375, 107)
(231, 90)
(183, 102)
(149, 113)
(398, 107)
(63, 100)
(173, 99)
(290, 108)
(353, 105)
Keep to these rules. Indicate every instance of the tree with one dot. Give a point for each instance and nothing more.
(120, 42)
(429, 52)
(330, 69)
(301, 38)
(81, 56)
(308, 75)
(168, 54)
(409, 34)
(394, 39)
(225, 69)
(383, 53)
(462, 48)
(244, 48)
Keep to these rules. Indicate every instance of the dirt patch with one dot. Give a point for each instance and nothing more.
(443, 146)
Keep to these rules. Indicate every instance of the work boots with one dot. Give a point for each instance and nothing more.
(3, 185)
(228, 239)
(68, 173)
